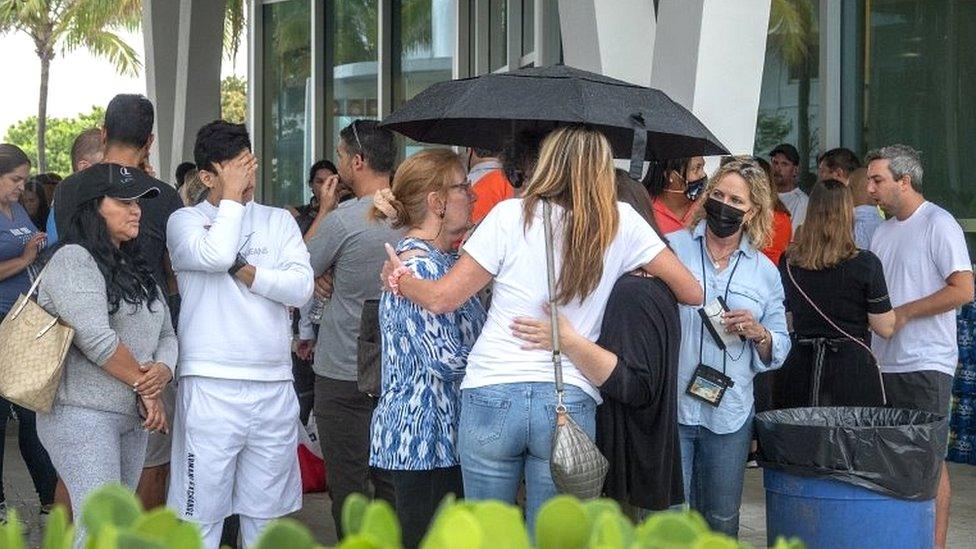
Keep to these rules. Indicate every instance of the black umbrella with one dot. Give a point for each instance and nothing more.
(487, 111)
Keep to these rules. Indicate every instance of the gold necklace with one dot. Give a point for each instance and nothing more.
(717, 262)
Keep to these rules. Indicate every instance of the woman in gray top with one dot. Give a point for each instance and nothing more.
(124, 349)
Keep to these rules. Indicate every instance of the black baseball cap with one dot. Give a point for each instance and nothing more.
(111, 180)
(788, 150)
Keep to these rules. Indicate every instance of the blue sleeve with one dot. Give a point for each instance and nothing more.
(52, 228)
(774, 319)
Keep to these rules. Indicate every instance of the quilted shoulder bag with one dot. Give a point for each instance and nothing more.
(34, 345)
(577, 466)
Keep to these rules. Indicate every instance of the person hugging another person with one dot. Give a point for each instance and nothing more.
(508, 392)
(414, 431)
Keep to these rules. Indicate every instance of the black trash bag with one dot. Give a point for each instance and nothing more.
(895, 452)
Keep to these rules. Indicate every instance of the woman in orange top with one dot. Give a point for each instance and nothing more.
(782, 226)
(674, 186)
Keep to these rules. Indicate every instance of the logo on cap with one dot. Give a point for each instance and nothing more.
(126, 176)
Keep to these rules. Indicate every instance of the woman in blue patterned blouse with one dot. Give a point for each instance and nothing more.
(414, 433)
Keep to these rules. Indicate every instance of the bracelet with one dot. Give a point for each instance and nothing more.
(765, 336)
(393, 281)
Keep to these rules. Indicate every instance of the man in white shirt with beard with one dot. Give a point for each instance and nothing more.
(239, 265)
(929, 273)
(785, 163)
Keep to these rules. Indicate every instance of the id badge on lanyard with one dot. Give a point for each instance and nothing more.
(708, 384)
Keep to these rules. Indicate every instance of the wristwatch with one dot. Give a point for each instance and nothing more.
(239, 264)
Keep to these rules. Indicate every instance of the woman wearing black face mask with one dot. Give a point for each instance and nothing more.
(745, 334)
(675, 186)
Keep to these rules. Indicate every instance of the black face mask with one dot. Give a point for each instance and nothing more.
(722, 219)
(694, 188)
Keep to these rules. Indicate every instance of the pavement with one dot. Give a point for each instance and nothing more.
(317, 516)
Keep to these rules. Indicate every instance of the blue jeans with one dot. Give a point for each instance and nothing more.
(506, 430)
(713, 467)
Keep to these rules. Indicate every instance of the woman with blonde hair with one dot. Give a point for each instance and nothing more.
(508, 392)
(837, 295)
(740, 331)
(414, 431)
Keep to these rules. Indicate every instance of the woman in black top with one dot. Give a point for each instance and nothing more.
(637, 424)
(846, 298)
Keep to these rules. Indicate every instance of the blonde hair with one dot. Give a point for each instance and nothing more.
(826, 236)
(405, 203)
(759, 227)
(575, 171)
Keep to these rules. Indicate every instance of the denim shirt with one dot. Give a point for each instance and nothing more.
(424, 358)
(756, 287)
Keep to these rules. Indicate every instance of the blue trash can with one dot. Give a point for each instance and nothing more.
(827, 514)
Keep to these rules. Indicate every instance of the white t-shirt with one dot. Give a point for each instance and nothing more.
(517, 259)
(796, 202)
(918, 255)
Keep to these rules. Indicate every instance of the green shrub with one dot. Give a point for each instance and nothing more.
(115, 519)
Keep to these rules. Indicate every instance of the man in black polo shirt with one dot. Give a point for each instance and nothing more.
(127, 134)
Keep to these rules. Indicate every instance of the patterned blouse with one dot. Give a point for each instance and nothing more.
(424, 356)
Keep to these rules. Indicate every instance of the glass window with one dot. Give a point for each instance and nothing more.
(917, 85)
(528, 26)
(423, 48)
(497, 34)
(285, 119)
(789, 102)
(353, 30)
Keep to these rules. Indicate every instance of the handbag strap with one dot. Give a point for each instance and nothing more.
(884, 396)
(557, 362)
(30, 292)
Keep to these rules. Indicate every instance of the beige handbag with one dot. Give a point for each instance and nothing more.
(33, 346)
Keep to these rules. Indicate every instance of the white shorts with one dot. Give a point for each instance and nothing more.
(235, 450)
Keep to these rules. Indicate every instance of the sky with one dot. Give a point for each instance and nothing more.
(77, 81)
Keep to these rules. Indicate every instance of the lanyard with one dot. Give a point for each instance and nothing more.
(701, 331)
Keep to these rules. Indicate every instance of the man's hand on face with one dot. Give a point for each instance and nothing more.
(237, 176)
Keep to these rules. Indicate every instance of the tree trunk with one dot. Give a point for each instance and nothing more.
(42, 114)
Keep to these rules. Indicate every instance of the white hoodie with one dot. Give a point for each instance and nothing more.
(227, 330)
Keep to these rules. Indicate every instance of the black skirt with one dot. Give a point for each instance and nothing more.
(848, 375)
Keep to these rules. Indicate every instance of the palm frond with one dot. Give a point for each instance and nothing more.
(234, 26)
(105, 44)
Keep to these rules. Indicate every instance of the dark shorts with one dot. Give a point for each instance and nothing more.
(928, 390)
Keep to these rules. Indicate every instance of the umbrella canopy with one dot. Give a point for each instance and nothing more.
(487, 111)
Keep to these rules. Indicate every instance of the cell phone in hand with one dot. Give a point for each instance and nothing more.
(725, 307)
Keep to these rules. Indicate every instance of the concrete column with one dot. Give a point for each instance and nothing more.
(159, 19)
(197, 83)
(613, 38)
(708, 56)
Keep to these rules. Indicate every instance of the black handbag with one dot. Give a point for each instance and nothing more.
(369, 367)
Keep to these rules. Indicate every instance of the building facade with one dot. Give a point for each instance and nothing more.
(815, 73)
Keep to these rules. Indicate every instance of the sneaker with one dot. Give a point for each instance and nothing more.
(751, 461)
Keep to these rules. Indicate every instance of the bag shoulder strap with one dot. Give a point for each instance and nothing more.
(884, 395)
(30, 292)
(553, 309)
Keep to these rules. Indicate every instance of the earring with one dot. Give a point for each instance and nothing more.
(440, 214)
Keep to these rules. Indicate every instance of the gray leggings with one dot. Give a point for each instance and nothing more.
(89, 449)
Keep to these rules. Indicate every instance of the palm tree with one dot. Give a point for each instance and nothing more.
(60, 26)
(791, 30)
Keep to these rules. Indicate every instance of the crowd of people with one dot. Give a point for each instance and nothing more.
(404, 309)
